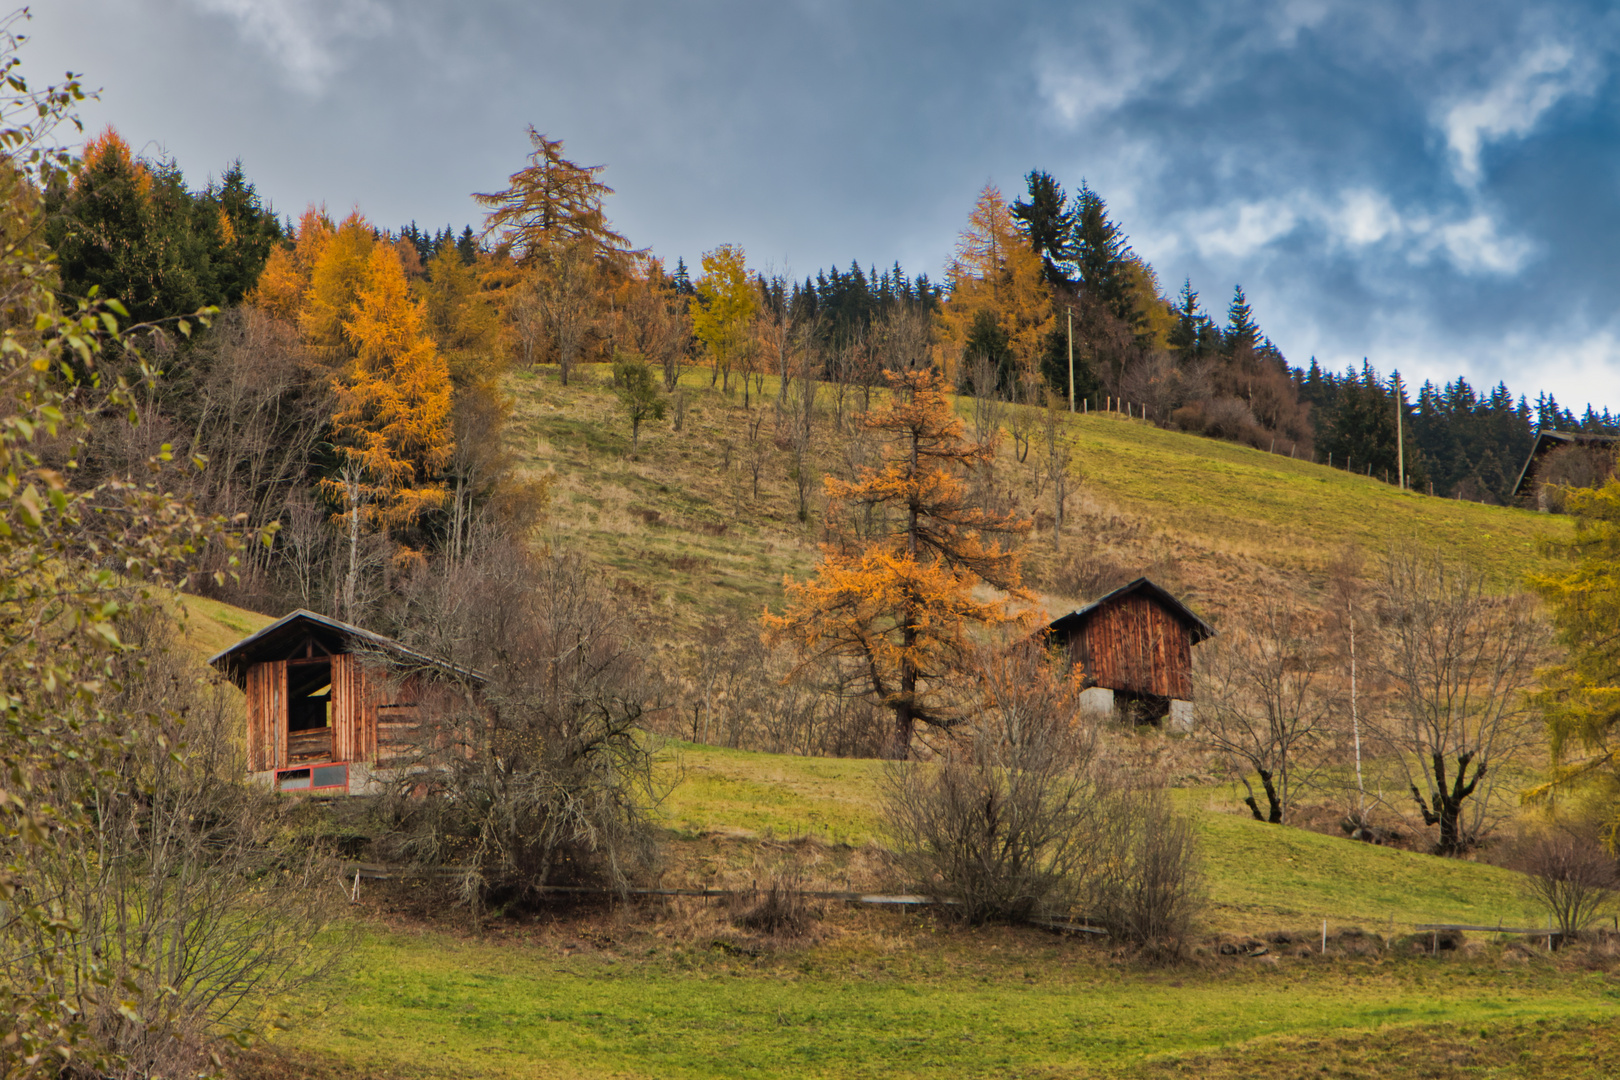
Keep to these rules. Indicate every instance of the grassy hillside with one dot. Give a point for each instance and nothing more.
(211, 626)
(667, 989)
(680, 531)
(670, 989)
(1258, 876)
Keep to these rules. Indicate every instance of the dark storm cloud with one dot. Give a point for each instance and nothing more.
(1432, 186)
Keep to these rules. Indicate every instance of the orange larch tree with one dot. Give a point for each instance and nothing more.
(393, 417)
(897, 601)
(337, 273)
(552, 203)
(995, 270)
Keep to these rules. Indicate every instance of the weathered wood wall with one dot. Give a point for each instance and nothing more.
(1134, 644)
(266, 715)
(354, 710)
(374, 719)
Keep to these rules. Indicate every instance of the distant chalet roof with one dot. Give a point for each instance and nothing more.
(1074, 620)
(1548, 440)
(286, 636)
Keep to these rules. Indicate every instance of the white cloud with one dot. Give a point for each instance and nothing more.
(1473, 246)
(1514, 104)
(303, 36)
(1293, 16)
(1363, 217)
(1245, 229)
(1358, 218)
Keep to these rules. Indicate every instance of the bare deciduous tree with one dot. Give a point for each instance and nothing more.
(988, 405)
(1569, 875)
(565, 290)
(653, 323)
(1262, 703)
(1057, 465)
(1458, 660)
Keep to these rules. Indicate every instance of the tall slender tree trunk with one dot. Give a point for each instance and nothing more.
(351, 487)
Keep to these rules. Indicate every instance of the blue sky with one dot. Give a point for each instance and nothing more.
(1435, 186)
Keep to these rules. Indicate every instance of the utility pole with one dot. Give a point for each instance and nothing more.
(1071, 359)
(1400, 439)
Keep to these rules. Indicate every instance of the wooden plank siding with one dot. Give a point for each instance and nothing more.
(1134, 644)
(267, 716)
(354, 709)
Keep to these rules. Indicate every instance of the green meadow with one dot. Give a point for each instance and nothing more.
(897, 1001)
(670, 988)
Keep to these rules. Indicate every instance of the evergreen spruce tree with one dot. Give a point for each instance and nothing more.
(988, 340)
(1101, 256)
(1193, 334)
(248, 229)
(1242, 333)
(467, 246)
(1048, 223)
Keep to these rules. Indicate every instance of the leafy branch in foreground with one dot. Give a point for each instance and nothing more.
(78, 562)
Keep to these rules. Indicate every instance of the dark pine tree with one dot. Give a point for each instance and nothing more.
(1242, 332)
(1101, 257)
(1049, 226)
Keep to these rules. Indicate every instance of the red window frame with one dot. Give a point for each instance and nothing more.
(324, 789)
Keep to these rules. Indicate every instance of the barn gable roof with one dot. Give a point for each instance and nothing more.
(1549, 440)
(1074, 620)
(282, 638)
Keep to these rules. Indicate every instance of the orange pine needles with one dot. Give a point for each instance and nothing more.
(394, 401)
(897, 605)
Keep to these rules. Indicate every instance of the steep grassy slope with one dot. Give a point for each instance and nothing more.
(681, 533)
(211, 626)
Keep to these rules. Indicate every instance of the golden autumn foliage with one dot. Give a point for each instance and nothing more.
(896, 604)
(723, 309)
(995, 269)
(461, 316)
(285, 278)
(394, 398)
(108, 152)
(351, 300)
(340, 265)
(551, 203)
(280, 289)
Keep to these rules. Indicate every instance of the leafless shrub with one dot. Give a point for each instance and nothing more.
(1569, 875)
(782, 909)
(989, 407)
(544, 773)
(1567, 467)
(1024, 415)
(1147, 887)
(1005, 823)
(1161, 386)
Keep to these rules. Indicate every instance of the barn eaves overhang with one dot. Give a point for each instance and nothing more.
(1198, 628)
(1549, 440)
(289, 635)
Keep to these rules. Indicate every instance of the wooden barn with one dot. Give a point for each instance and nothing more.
(329, 704)
(1134, 648)
(1565, 449)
